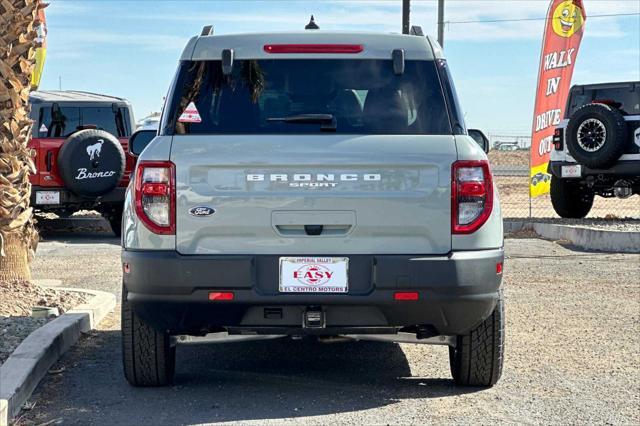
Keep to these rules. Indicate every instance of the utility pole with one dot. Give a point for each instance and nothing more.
(441, 22)
(405, 16)
(60, 82)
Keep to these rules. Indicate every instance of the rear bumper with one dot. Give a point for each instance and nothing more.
(170, 291)
(621, 168)
(70, 200)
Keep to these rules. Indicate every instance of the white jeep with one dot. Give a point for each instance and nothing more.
(596, 148)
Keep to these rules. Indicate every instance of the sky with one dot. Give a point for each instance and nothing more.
(131, 48)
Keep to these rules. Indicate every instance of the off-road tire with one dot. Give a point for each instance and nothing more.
(147, 355)
(478, 356)
(614, 144)
(570, 200)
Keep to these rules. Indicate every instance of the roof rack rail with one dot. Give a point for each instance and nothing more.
(416, 30)
(207, 30)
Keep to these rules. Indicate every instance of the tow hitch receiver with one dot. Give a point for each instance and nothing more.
(314, 318)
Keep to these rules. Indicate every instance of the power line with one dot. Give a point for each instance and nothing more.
(536, 19)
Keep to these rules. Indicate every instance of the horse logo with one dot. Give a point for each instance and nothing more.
(94, 150)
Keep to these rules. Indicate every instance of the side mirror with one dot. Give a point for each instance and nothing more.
(139, 141)
(481, 138)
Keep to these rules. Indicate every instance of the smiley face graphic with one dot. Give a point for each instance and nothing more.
(567, 18)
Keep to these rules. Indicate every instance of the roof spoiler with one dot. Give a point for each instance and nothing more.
(207, 30)
(416, 31)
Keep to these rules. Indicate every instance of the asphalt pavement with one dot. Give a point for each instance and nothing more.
(572, 351)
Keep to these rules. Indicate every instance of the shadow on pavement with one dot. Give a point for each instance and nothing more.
(77, 230)
(240, 381)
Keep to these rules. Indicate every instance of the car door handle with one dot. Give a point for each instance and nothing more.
(313, 230)
(313, 223)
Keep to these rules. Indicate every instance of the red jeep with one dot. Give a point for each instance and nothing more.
(82, 163)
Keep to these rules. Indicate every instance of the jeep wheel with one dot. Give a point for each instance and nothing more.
(477, 358)
(596, 135)
(569, 199)
(147, 355)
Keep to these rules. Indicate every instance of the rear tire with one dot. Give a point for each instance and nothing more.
(570, 200)
(478, 356)
(147, 355)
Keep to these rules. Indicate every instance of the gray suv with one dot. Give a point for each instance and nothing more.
(312, 184)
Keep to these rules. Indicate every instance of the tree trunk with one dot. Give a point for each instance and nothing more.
(18, 236)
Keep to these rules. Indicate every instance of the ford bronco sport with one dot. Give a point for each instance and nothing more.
(596, 148)
(312, 183)
(80, 140)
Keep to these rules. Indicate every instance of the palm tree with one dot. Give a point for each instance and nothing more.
(18, 236)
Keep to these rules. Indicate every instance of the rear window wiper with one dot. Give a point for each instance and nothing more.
(327, 121)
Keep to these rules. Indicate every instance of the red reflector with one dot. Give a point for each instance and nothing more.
(498, 268)
(471, 189)
(609, 102)
(313, 48)
(155, 189)
(405, 295)
(221, 295)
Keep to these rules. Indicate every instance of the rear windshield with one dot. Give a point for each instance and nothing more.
(363, 96)
(628, 99)
(62, 121)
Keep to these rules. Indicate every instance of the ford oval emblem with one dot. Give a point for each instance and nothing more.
(201, 211)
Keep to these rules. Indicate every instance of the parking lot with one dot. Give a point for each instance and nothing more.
(573, 342)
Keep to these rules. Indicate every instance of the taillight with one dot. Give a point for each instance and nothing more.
(406, 295)
(221, 296)
(471, 195)
(557, 139)
(313, 48)
(155, 194)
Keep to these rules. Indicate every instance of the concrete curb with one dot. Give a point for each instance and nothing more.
(581, 236)
(30, 362)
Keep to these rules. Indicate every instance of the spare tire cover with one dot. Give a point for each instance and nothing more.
(91, 162)
(596, 135)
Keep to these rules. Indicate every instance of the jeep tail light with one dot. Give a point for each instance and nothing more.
(155, 194)
(471, 195)
(557, 139)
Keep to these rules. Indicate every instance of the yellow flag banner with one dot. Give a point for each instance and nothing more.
(41, 46)
(562, 36)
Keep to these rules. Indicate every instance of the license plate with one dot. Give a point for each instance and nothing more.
(571, 171)
(47, 197)
(314, 274)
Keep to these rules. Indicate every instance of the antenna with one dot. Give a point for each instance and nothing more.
(312, 25)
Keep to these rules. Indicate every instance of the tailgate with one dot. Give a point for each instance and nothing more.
(313, 194)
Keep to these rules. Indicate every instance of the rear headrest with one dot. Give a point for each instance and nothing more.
(386, 111)
(346, 107)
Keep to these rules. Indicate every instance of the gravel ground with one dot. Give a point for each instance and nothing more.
(17, 299)
(572, 351)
